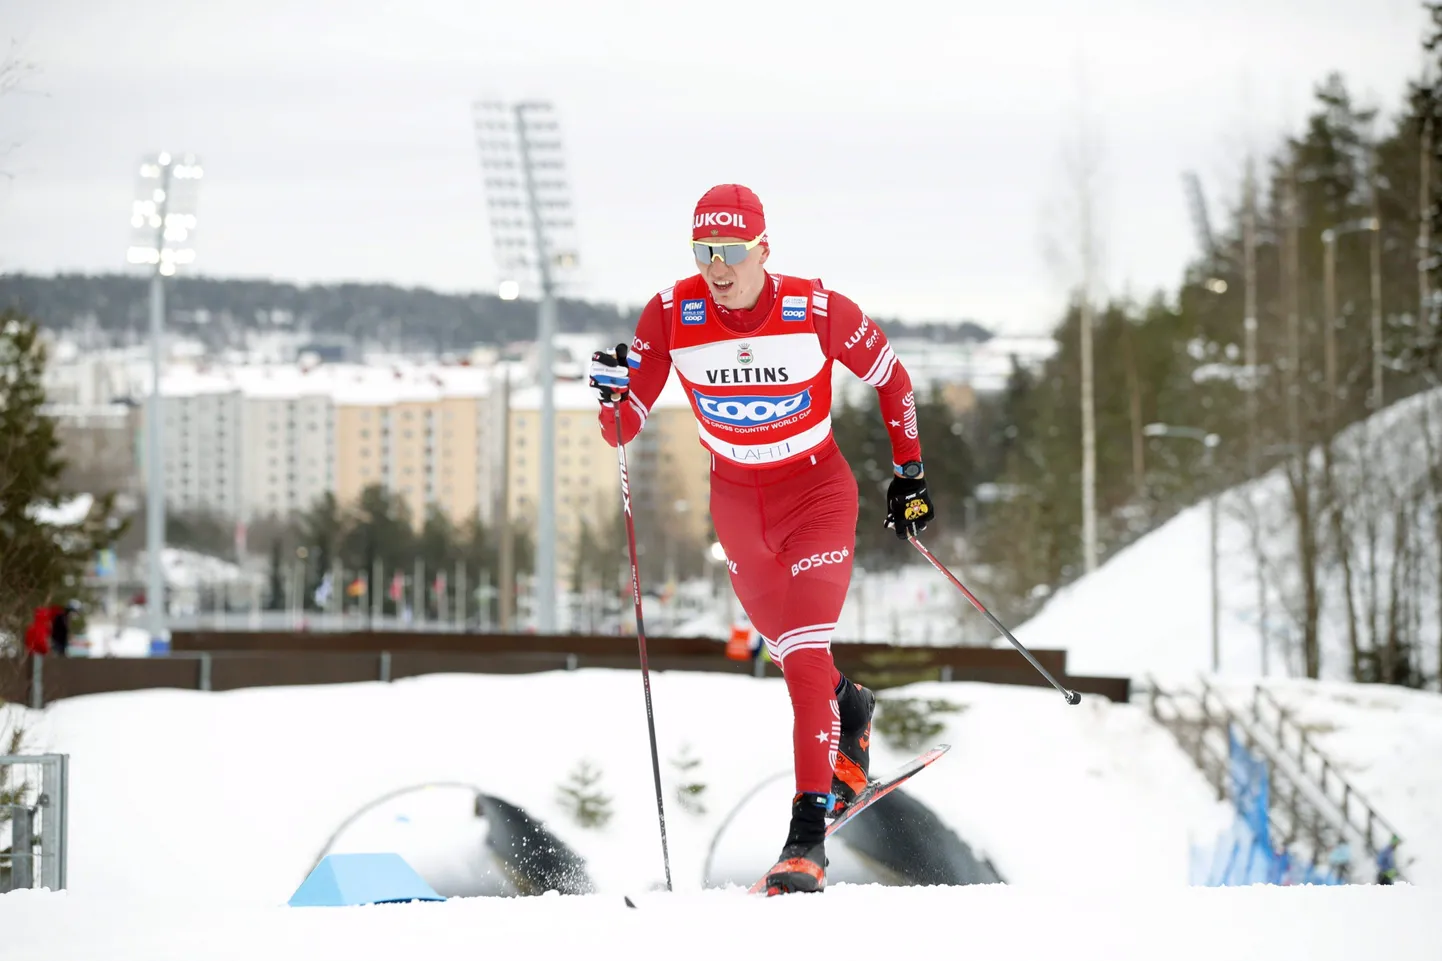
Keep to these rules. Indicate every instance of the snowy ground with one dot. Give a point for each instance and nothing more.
(195, 815)
(245, 786)
(1016, 923)
(1148, 608)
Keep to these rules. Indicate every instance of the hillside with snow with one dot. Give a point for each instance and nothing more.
(1148, 608)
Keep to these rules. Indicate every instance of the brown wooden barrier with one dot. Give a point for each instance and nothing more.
(233, 672)
(77, 676)
(417, 663)
(868, 656)
(224, 661)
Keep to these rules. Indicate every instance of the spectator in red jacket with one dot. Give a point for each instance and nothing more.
(37, 635)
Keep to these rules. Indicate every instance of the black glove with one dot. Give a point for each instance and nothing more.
(610, 375)
(908, 507)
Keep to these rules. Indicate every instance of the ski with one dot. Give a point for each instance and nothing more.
(874, 792)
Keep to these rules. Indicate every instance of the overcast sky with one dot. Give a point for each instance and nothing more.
(909, 154)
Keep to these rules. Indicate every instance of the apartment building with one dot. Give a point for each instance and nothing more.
(669, 469)
(100, 445)
(202, 439)
(288, 438)
(425, 433)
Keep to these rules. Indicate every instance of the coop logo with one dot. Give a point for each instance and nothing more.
(817, 560)
(752, 411)
(724, 218)
(793, 308)
(693, 312)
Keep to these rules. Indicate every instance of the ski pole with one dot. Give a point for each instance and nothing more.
(640, 625)
(1072, 697)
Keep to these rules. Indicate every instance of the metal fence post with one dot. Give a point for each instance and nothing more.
(205, 670)
(62, 807)
(37, 682)
(22, 848)
(385, 666)
(52, 806)
(49, 804)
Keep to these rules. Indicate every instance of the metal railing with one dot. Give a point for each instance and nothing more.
(1302, 811)
(34, 821)
(1317, 767)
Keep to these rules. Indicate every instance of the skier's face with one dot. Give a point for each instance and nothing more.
(737, 286)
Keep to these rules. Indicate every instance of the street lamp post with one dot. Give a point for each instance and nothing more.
(1209, 442)
(162, 220)
(532, 227)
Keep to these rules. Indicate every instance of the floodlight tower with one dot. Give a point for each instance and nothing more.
(532, 231)
(162, 221)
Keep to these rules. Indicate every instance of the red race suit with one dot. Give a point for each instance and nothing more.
(783, 498)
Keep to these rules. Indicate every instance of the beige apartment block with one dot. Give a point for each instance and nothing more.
(421, 433)
(668, 468)
(362, 455)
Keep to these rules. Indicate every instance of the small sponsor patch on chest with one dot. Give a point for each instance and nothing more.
(793, 307)
(693, 312)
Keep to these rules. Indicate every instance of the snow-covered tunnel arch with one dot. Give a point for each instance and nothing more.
(463, 842)
(898, 841)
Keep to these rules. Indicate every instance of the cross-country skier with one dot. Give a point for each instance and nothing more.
(754, 351)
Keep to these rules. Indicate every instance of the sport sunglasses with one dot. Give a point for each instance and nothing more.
(731, 253)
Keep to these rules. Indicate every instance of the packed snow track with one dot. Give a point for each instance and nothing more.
(977, 921)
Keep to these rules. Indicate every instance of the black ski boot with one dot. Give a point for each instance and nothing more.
(802, 866)
(853, 749)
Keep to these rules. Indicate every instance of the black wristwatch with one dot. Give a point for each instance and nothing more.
(911, 468)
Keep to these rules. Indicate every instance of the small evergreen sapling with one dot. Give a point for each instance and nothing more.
(583, 799)
(690, 789)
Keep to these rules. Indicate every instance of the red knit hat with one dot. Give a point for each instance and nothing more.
(729, 210)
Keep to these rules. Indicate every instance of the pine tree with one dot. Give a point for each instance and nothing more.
(379, 530)
(582, 798)
(321, 530)
(40, 563)
(908, 724)
(691, 790)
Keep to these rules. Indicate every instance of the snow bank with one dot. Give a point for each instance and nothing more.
(1019, 924)
(246, 786)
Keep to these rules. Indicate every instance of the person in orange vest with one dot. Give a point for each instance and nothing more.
(754, 352)
(738, 646)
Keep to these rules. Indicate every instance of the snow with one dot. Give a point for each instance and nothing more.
(246, 786)
(183, 568)
(1148, 608)
(577, 396)
(1088, 812)
(65, 514)
(112, 640)
(365, 384)
(992, 921)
